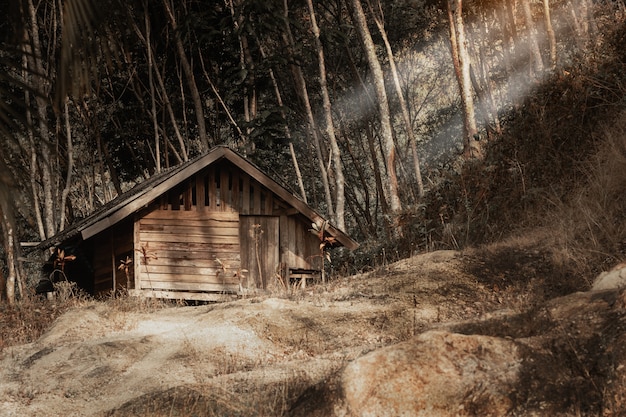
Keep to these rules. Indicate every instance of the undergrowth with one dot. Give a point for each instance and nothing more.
(558, 166)
(27, 320)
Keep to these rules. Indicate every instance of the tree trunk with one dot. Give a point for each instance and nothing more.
(165, 97)
(364, 214)
(3, 287)
(279, 101)
(340, 199)
(403, 106)
(41, 103)
(302, 92)
(34, 188)
(583, 22)
(155, 123)
(512, 90)
(506, 37)
(247, 63)
(217, 94)
(70, 165)
(551, 35)
(461, 61)
(358, 16)
(11, 250)
(172, 116)
(533, 42)
(481, 81)
(191, 81)
(377, 171)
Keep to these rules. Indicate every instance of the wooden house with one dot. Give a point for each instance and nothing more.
(214, 225)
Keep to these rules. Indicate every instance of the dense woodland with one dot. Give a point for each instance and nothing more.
(382, 115)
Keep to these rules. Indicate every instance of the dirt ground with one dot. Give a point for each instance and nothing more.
(282, 354)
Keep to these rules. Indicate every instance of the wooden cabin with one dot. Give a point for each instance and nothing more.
(214, 225)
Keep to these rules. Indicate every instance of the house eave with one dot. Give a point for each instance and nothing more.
(136, 201)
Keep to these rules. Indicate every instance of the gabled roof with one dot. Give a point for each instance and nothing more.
(147, 191)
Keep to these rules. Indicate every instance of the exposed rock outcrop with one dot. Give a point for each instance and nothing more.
(613, 279)
(567, 357)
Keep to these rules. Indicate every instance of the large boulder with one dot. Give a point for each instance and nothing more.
(613, 279)
(435, 373)
(565, 357)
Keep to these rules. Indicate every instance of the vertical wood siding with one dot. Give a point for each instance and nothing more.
(260, 257)
(109, 249)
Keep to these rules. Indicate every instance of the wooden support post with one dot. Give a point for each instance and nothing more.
(234, 194)
(212, 190)
(224, 191)
(200, 191)
(136, 256)
(245, 190)
(187, 193)
(113, 266)
(256, 205)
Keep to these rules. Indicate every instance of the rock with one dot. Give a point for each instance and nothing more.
(613, 279)
(565, 357)
(434, 374)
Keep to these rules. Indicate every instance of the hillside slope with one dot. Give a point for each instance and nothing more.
(331, 350)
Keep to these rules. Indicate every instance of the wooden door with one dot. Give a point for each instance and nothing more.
(258, 236)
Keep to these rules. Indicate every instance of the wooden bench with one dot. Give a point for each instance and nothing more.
(299, 276)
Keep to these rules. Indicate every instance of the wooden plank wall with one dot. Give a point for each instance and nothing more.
(299, 247)
(190, 250)
(221, 187)
(109, 249)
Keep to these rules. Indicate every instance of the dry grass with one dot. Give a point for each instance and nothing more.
(121, 302)
(28, 319)
(590, 228)
(34, 314)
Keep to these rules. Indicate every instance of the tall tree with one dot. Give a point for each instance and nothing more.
(340, 201)
(40, 82)
(303, 94)
(189, 76)
(155, 122)
(533, 41)
(461, 62)
(408, 126)
(378, 78)
(288, 135)
(247, 66)
(13, 281)
(550, 32)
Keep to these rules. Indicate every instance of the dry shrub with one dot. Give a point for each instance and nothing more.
(121, 301)
(184, 402)
(31, 316)
(590, 227)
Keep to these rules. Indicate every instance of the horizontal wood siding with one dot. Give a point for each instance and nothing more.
(192, 239)
(191, 295)
(189, 250)
(223, 188)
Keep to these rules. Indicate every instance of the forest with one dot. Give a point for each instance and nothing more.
(412, 124)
